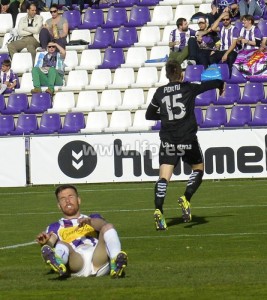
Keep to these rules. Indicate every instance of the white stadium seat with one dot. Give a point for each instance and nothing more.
(77, 80)
(140, 123)
(87, 101)
(161, 16)
(90, 59)
(123, 78)
(132, 99)
(149, 36)
(135, 58)
(96, 122)
(62, 102)
(119, 121)
(109, 100)
(146, 77)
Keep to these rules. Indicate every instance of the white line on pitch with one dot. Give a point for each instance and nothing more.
(139, 210)
(158, 237)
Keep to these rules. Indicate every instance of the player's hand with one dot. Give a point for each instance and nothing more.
(84, 221)
(43, 237)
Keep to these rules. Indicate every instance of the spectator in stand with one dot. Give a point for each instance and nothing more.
(250, 36)
(10, 8)
(251, 7)
(8, 80)
(227, 48)
(55, 29)
(49, 70)
(202, 44)
(178, 41)
(28, 29)
(220, 6)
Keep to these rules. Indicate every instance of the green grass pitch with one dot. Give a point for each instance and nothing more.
(222, 254)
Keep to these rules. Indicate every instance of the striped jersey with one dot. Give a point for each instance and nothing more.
(227, 35)
(68, 231)
(251, 34)
(182, 37)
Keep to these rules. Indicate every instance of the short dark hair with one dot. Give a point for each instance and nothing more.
(54, 5)
(180, 21)
(173, 70)
(63, 187)
(29, 4)
(249, 18)
(6, 62)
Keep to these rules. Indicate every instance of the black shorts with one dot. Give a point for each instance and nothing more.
(170, 154)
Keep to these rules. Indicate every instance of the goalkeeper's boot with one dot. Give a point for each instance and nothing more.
(159, 220)
(53, 260)
(118, 265)
(186, 211)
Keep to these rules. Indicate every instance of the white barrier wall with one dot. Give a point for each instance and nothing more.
(134, 157)
(12, 162)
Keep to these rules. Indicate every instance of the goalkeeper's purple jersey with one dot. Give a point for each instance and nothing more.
(68, 231)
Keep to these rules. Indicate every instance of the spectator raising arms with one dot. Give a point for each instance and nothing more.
(227, 49)
(202, 44)
(49, 70)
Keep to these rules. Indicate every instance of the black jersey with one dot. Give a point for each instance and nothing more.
(174, 105)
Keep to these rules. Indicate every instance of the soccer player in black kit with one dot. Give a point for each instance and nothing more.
(174, 104)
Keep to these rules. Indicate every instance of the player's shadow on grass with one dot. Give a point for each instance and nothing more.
(60, 278)
(196, 220)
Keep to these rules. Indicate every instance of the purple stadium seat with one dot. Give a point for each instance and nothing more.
(93, 18)
(148, 2)
(236, 77)
(253, 93)
(262, 25)
(126, 3)
(224, 71)
(126, 37)
(240, 116)
(238, 24)
(193, 73)
(16, 104)
(50, 123)
(264, 16)
(232, 94)
(26, 124)
(73, 17)
(2, 103)
(138, 16)
(104, 37)
(206, 98)
(3, 56)
(260, 116)
(215, 117)
(40, 102)
(73, 122)
(117, 16)
(113, 58)
(7, 124)
(199, 115)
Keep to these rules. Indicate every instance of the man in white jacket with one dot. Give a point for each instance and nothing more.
(28, 30)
